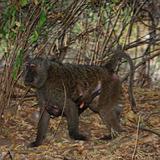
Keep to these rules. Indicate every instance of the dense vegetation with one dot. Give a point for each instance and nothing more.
(85, 32)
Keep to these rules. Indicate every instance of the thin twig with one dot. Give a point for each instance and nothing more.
(137, 136)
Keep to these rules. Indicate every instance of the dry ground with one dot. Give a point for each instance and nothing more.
(19, 129)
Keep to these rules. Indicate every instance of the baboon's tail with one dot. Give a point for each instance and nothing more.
(119, 53)
(131, 78)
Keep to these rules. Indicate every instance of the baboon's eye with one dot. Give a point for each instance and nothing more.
(32, 65)
(26, 64)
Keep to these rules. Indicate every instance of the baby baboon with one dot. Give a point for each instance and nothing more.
(119, 53)
(58, 86)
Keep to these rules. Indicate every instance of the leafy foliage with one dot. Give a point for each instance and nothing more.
(24, 2)
(18, 63)
(42, 19)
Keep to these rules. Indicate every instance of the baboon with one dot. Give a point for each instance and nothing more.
(58, 87)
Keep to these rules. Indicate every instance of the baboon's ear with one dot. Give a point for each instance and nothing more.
(52, 58)
(47, 63)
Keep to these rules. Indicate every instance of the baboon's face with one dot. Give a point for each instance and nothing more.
(35, 72)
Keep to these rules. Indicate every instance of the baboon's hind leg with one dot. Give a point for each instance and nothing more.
(111, 120)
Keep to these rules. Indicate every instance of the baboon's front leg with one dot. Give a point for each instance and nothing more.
(42, 128)
(71, 113)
